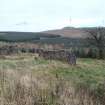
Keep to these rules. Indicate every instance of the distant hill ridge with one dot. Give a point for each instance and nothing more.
(58, 35)
(24, 36)
(70, 32)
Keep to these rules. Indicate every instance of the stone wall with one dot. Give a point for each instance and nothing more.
(61, 55)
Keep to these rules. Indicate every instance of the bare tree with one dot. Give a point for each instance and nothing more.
(96, 37)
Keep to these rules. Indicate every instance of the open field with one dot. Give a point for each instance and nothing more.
(26, 80)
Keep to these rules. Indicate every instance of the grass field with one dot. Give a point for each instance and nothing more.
(25, 80)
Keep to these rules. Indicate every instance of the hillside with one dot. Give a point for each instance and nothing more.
(69, 32)
(24, 36)
(67, 36)
(66, 32)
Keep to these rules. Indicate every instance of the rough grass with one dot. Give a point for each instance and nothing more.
(25, 80)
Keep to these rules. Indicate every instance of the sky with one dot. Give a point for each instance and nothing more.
(40, 15)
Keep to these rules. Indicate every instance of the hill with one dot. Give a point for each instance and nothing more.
(69, 32)
(67, 36)
(24, 36)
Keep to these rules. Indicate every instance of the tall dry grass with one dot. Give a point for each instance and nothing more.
(24, 88)
(25, 80)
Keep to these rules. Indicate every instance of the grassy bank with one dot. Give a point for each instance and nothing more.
(25, 80)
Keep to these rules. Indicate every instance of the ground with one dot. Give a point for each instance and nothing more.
(26, 78)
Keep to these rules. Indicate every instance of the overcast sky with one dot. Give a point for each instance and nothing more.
(39, 15)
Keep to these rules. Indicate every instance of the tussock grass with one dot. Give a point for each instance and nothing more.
(25, 80)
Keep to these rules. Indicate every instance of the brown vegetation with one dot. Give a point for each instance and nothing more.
(69, 32)
(23, 88)
(62, 55)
